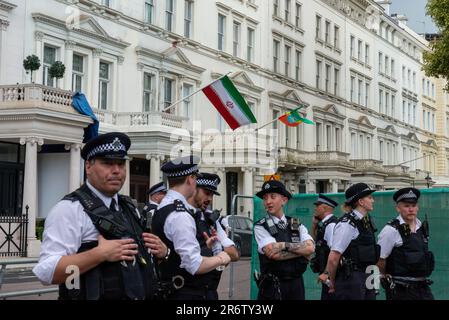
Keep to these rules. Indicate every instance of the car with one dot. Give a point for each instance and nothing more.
(243, 233)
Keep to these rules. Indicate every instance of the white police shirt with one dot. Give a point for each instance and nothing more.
(264, 238)
(328, 233)
(180, 228)
(390, 238)
(344, 233)
(67, 226)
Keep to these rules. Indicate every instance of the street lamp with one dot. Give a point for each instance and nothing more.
(428, 179)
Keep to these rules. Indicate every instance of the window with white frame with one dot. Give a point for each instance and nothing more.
(318, 136)
(381, 62)
(148, 92)
(404, 117)
(103, 88)
(49, 59)
(298, 65)
(409, 79)
(424, 119)
(428, 120)
(327, 32)
(336, 37)
(299, 136)
(353, 145)
(328, 138)
(359, 50)
(275, 116)
(360, 92)
(327, 78)
(236, 39)
(77, 72)
(250, 47)
(360, 147)
(387, 103)
(367, 54)
(221, 31)
(169, 13)
(387, 66)
(381, 150)
(168, 93)
(287, 10)
(414, 115)
(187, 90)
(276, 45)
(105, 3)
(414, 81)
(318, 27)
(298, 10)
(368, 148)
(433, 122)
(403, 76)
(352, 48)
(393, 73)
(337, 139)
(149, 9)
(318, 74)
(367, 88)
(352, 89)
(287, 60)
(393, 105)
(188, 17)
(276, 7)
(381, 101)
(336, 81)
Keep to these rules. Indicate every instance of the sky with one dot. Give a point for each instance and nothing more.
(415, 11)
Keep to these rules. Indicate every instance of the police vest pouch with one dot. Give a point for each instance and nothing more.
(416, 261)
(367, 255)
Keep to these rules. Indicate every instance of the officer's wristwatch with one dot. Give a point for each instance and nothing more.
(167, 255)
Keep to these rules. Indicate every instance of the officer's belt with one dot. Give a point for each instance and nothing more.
(284, 277)
(416, 284)
(412, 279)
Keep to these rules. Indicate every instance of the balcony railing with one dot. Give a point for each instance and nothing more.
(367, 164)
(332, 156)
(140, 119)
(396, 169)
(31, 94)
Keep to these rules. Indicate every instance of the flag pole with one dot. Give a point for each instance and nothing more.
(186, 97)
(268, 123)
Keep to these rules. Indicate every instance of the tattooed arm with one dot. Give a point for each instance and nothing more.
(277, 251)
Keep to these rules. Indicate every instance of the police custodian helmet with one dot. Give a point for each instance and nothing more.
(112, 145)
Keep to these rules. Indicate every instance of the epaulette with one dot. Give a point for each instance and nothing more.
(127, 200)
(179, 206)
(261, 221)
(394, 223)
(347, 217)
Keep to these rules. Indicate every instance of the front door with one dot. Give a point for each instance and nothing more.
(11, 188)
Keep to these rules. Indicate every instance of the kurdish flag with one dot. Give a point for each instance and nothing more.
(229, 103)
(293, 118)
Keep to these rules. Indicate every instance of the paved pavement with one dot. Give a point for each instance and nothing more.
(22, 278)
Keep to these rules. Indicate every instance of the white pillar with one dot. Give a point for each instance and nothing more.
(68, 62)
(3, 49)
(248, 190)
(220, 201)
(75, 166)
(311, 186)
(155, 168)
(30, 192)
(37, 75)
(126, 186)
(334, 185)
(95, 77)
(119, 84)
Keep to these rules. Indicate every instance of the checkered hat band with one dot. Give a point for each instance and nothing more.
(321, 200)
(350, 199)
(186, 172)
(116, 147)
(409, 195)
(206, 183)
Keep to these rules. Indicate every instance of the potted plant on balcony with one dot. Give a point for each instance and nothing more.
(57, 71)
(30, 64)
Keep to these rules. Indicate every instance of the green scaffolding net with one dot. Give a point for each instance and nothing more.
(433, 202)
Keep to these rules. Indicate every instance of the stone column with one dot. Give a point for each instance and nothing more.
(117, 103)
(4, 24)
(248, 190)
(220, 201)
(30, 192)
(95, 77)
(334, 184)
(126, 186)
(155, 168)
(311, 186)
(75, 166)
(161, 93)
(68, 62)
(37, 75)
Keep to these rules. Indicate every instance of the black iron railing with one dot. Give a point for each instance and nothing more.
(13, 235)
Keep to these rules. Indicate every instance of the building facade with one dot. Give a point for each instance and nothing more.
(354, 67)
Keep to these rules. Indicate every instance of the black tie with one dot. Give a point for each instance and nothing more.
(113, 206)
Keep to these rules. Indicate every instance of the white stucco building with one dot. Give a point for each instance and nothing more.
(356, 68)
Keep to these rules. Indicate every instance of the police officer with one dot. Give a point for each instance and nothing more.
(353, 247)
(156, 193)
(322, 230)
(186, 269)
(284, 246)
(209, 228)
(98, 233)
(405, 259)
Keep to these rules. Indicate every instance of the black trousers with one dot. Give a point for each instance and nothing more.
(353, 287)
(212, 295)
(325, 295)
(292, 289)
(414, 292)
(189, 294)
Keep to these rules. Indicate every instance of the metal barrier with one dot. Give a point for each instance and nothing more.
(14, 229)
(234, 213)
(4, 263)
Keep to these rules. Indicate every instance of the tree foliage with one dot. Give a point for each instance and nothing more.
(436, 61)
(57, 70)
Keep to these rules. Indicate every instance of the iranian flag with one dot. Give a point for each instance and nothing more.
(229, 103)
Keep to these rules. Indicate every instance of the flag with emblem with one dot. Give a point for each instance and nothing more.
(293, 118)
(229, 103)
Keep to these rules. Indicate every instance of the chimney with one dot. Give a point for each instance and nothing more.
(385, 4)
(400, 18)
